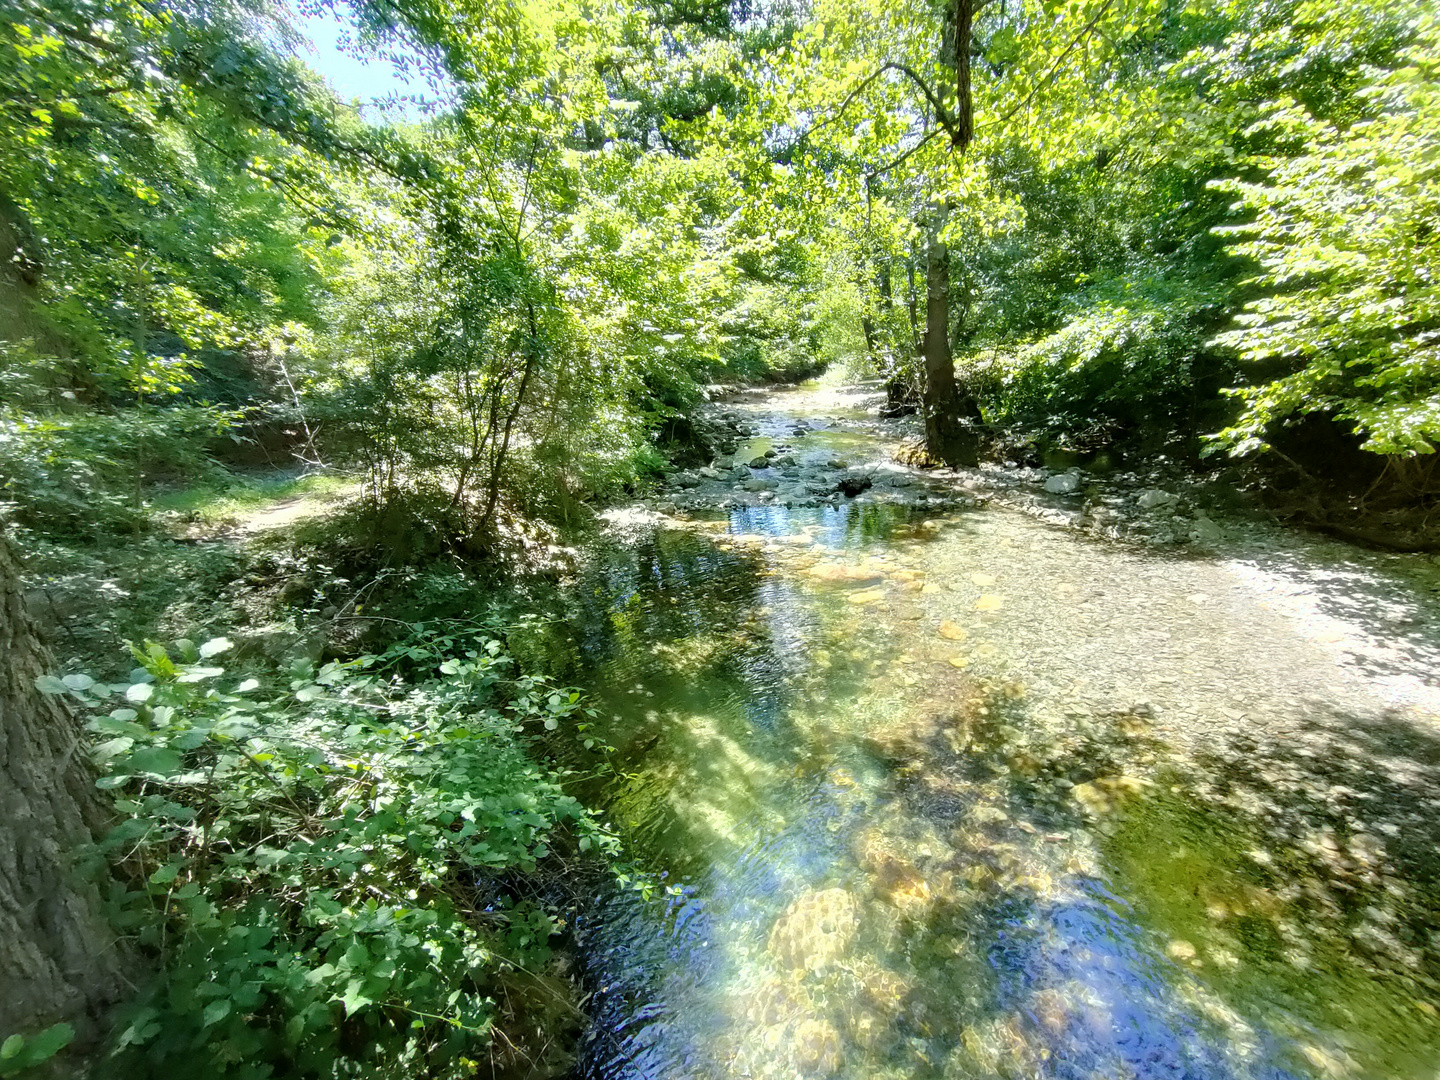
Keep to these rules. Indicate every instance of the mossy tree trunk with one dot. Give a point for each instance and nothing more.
(58, 958)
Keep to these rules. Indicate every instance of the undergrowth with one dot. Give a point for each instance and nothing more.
(299, 853)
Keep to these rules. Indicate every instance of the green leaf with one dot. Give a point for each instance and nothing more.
(112, 748)
(139, 692)
(215, 646)
(196, 674)
(216, 1011)
(49, 1043)
(354, 998)
(18, 1053)
(155, 761)
(49, 684)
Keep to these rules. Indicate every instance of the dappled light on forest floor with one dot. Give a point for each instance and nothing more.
(959, 795)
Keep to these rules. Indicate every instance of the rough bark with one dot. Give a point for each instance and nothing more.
(58, 958)
(951, 414)
(948, 435)
(964, 130)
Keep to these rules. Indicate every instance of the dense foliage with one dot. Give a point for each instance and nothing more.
(1345, 233)
(505, 306)
(305, 853)
(1160, 204)
(1098, 220)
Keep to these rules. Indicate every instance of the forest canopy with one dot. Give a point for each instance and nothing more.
(1216, 217)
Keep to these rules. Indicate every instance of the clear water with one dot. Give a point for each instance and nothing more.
(962, 795)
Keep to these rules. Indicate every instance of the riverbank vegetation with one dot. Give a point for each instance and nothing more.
(1080, 223)
(1121, 226)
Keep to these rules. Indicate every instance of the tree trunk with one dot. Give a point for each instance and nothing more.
(948, 435)
(951, 414)
(912, 302)
(867, 327)
(58, 958)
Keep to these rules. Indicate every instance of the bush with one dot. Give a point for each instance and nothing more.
(1126, 355)
(1345, 238)
(302, 854)
(84, 472)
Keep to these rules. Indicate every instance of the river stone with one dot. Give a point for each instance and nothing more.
(815, 931)
(830, 571)
(816, 1045)
(775, 1001)
(1205, 531)
(893, 876)
(1052, 516)
(883, 989)
(866, 1029)
(1106, 794)
(759, 463)
(710, 474)
(1063, 483)
(761, 485)
(772, 452)
(1152, 498)
(867, 596)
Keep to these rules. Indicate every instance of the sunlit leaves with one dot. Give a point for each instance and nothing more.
(1344, 234)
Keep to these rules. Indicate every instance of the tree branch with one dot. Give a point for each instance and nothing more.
(941, 113)
(903, 157)
(1054, 68)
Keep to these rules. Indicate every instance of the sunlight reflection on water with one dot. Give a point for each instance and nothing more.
(947, 800)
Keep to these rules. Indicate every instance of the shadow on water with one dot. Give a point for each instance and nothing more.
(953, 890)
(1389, 598)
(1278, 902)
(693, 651)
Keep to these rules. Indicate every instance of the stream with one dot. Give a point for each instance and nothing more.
(940, 790)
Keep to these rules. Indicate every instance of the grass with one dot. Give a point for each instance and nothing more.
(246, 495)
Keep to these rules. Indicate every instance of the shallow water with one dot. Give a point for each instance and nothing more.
(962, 795)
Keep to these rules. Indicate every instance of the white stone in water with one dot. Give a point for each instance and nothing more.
(1063, 483)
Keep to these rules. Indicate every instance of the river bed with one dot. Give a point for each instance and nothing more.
(941, 790)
